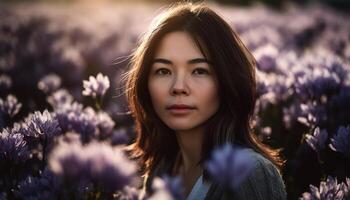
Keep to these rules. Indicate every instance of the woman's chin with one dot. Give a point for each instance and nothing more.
(180, 127)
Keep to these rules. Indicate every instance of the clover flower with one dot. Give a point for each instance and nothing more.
(229, 166)
(96, 86)
(341, 141)
(317, 141)
(98, 163)
(328, 190)
(13, 147)
(10, 105)
(49, 83)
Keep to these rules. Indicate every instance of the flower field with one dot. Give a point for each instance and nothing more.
(64, 119)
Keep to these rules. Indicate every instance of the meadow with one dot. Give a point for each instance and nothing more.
(64, 118)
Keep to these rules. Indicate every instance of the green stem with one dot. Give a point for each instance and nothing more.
(99, 101)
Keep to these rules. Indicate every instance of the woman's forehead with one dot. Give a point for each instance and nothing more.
(178, 44)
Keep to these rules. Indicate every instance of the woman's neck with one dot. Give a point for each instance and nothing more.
(186, 164)
(190, 143)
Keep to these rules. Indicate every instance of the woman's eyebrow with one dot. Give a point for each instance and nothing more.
(192, 61)
(162, 60)
(199, 60)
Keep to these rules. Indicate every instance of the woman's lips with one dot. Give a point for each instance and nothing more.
(180, 111)
(180, 106)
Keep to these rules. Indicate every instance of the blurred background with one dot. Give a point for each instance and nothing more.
(302, 48)
(341, 4)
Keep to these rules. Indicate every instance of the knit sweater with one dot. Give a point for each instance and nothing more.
(263, 183)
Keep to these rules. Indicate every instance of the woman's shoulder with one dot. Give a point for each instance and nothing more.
(261, 163)
(263, 182)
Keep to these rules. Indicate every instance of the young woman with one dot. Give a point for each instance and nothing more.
(191, 88)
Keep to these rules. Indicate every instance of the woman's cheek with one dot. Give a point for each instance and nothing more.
(158, 90)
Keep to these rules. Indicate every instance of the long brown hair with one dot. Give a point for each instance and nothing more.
(234, 67)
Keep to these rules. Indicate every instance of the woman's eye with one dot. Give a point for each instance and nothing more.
(162, 71)
(200, 71)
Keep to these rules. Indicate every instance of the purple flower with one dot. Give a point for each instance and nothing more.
(84, 123)
(129, 193)
(321, 84)
(315, 86)
(42, 125)
(312, 114)
(229, 166)
(174, 185)
(110, 167)
(96, 86)
(317, 141)
(167, 188)
(69, 161)
(47, 186)
(49, 83)
(66, 113)
(10, 106)
(290, 115)
(60, 98)
(105, 124)
(3, 196)
(69, 138)
(262, 85)
(13, 147)
(99, 163)
(72, 117)
(266, 63)
(266, 58)
(322, 72)
(341, 141)
(340, 69)
(329, 190)
(119, 137)
(273, 88)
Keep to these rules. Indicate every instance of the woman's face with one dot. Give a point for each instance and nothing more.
(182, 85)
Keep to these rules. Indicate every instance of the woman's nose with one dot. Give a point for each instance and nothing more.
(179, 86)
